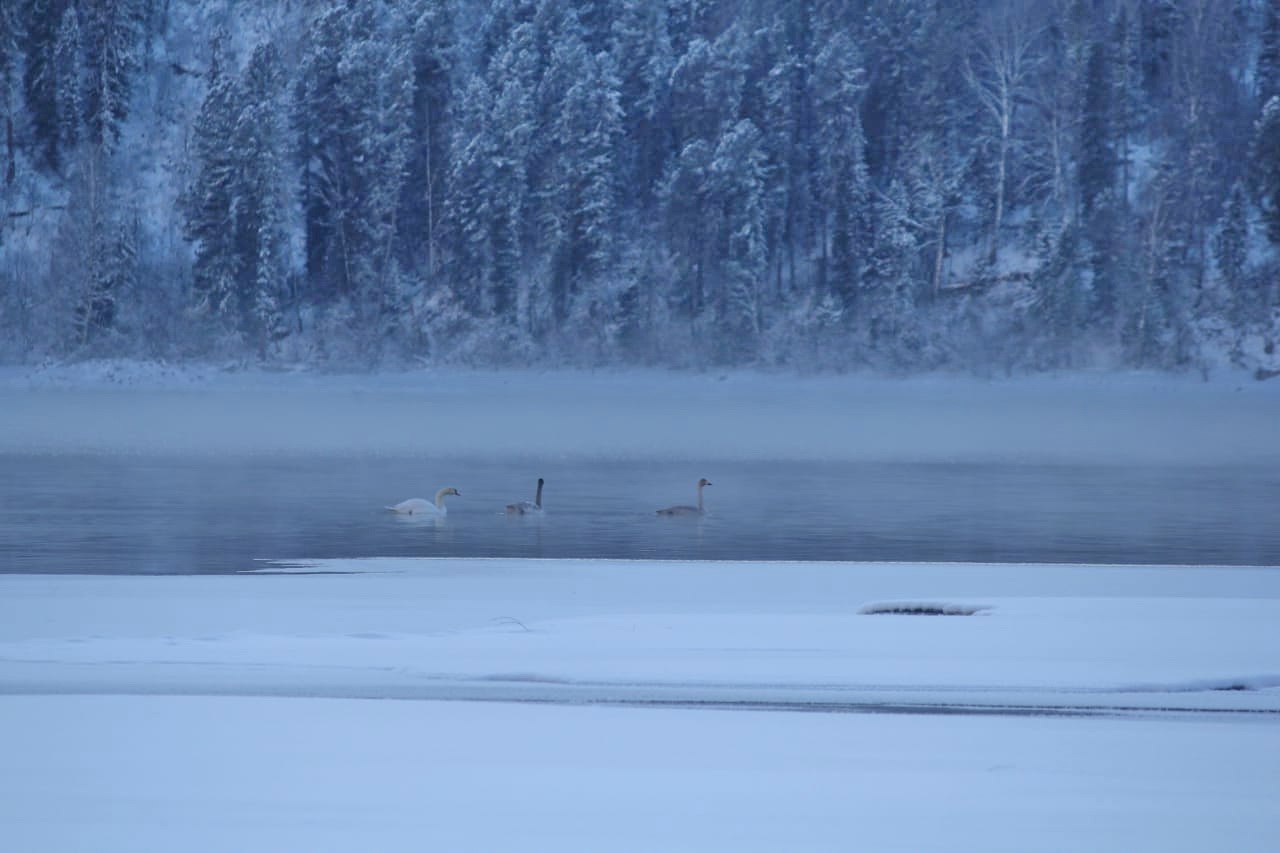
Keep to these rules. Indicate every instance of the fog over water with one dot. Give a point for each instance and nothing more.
(214, 473)
(644, 415)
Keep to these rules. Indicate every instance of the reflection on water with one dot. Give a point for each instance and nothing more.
(440, 522)
(181, 515)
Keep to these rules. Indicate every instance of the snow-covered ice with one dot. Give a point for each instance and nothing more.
(1064, 637)
(638, 705)
(164, 774)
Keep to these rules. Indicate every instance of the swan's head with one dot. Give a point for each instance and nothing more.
(703, 482)
(451, 491)
(540, 481)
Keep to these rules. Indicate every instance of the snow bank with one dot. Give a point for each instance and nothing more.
(114, 407)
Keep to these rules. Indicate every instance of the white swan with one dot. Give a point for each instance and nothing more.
(418, 506)
(526, 508)
(688, 510)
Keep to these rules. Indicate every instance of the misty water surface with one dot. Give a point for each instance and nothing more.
(91, 513)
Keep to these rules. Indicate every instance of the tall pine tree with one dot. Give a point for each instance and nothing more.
(41, 20)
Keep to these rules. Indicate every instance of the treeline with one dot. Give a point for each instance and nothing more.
(894, 184)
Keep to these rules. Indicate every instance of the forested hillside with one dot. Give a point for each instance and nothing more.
(893, 185)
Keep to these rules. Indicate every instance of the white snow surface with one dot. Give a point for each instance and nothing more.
(409, 704)
(181, 774)
(594, 630)
(1077, 418)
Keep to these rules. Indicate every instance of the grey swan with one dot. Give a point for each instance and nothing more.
(526, 508)
(688, 510)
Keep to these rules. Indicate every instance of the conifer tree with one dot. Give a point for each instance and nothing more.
(41, 20)
(1097, 176)
(435, 57)
(643, 57)
(111, 38)
(377, 97)
(1265, 156)
(894, 274)
(1127, 111)
(687, 212)
(1097, 159)
(1231, 250)
(1158, 23)
(791, 122)
(318, 120)
(738, 183)
(844, 186)
(465, 213)
(260, 200)
(209, 203)
(582, 207)
(70, 84)
(505, 199)
(1268, 72)
(8, 61)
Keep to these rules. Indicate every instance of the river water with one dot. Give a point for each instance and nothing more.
(202, 514)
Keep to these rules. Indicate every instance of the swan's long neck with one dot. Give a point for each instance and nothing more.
(537, 499)
(440, 498)
(700, 487)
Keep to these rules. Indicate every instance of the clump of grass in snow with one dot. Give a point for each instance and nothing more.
(920, 608)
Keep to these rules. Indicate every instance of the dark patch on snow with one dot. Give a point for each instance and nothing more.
(920, 608)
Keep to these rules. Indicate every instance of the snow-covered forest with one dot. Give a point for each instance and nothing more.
(991, 185)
